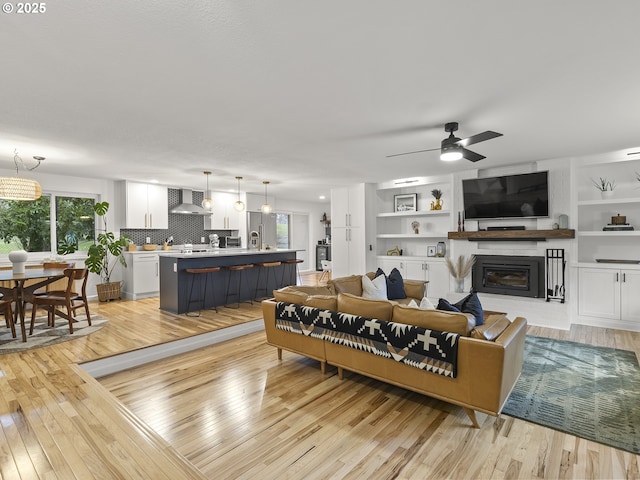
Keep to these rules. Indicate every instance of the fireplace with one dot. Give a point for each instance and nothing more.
(509, 275)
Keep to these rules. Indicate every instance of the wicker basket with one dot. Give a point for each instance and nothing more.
(108, 291)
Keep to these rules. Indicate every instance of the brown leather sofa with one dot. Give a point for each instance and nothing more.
(489, 357)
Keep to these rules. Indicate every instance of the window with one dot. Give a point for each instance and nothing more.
(27, 224)
(282, 230)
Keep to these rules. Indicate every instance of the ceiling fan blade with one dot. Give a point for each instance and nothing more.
(471, 156)
(409, 153)
(480, 137)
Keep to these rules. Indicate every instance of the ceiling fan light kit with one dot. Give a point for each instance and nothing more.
(453, 148)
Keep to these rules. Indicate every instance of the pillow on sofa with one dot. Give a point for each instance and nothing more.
(290, 295)
(364, 307)
(395, 284)
(432, 319)
(425, 304)
(324, 302)
(469, 304)
(376, 288)
(351, 284)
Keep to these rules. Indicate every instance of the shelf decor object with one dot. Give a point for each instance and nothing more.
(460, 270)
(437, 194)
(394, 251)
(416, 227)
(605, 187)
(407, 202)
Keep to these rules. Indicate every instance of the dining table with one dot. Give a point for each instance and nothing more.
(21, 293)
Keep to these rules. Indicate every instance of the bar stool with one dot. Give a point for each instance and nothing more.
(237, 270)
(287, 265)
(196, 272)
(265, 267)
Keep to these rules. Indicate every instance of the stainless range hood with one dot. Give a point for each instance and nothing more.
(186, 206)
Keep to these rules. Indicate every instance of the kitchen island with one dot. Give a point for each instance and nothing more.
(175, 281)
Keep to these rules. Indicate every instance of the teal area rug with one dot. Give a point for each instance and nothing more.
(586, 391)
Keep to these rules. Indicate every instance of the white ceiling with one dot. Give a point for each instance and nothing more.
(312, 94)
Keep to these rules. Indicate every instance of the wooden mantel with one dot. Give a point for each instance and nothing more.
(534, 235)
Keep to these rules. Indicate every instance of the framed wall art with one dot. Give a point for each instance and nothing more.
(407, 202)
(431, 250)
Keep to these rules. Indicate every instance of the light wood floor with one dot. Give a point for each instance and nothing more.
(234, 411)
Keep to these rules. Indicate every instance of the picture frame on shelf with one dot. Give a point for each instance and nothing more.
(431, 250)
(407, 202)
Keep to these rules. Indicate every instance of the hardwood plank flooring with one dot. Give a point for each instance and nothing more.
(233, 410)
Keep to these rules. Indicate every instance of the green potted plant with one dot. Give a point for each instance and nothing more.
(104, 255)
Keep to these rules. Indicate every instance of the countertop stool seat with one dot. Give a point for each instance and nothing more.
(236, 272)
(265, 267)
(198, 273)
(287, 265)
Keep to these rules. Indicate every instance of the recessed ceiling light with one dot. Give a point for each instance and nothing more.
(322, 197)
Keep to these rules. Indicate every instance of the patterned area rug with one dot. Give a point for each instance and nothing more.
(44, 335)
(586, 391)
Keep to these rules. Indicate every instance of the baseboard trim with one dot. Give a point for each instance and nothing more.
(117, 363)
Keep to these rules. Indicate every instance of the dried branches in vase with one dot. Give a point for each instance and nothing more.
(460, 270)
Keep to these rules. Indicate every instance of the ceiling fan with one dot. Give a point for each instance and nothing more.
(453, 148)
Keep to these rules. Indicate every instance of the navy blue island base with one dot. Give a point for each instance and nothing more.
(175, 281)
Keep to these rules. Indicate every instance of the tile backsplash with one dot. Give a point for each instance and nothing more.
(184, 228)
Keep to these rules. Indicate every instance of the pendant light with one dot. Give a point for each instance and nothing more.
(17, 188)
(207, 202)
(239, 205)
(266, 208)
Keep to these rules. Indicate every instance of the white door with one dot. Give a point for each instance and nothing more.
(599, 293)
(300, 239)
(630, 295)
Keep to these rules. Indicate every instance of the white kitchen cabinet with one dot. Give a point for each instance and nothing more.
(348, 233)
(609, 293)
(142, 275)
(146, 206)
(223, 216)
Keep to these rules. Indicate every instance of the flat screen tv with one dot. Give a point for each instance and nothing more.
(509, 196)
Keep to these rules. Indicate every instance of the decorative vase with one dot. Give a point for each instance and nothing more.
(19, 259)
(437, 205)
(606, 194)
(459, 287)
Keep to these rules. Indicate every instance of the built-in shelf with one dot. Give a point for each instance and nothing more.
(614, 233)
(536, 235)
(609, 201)
(414, 213)
(412, 235)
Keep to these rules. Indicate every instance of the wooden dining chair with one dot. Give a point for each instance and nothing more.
(7, 309)
(58, 284)
(67, 298)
